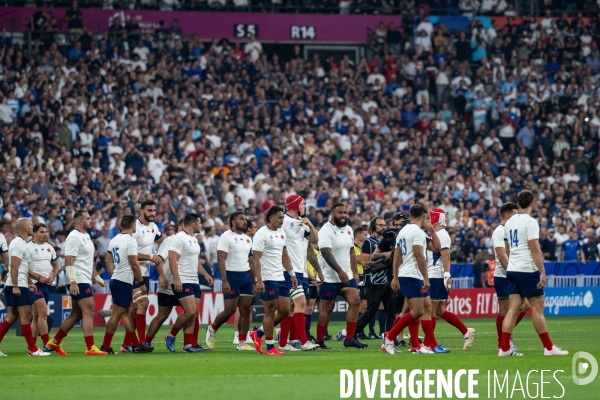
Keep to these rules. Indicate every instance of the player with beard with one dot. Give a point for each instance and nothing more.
(165, 296)
(238, 272)
(338, 262)
(43, 267)
(19, 287)
(146, 234)
(300, 234)
(438, 269)
(79, 261)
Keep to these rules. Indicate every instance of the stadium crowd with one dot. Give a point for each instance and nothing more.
(460, 121)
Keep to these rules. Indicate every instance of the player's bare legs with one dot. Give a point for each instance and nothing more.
(39, 323)
(190, 309)
(275, 311)
(325, 309)
(112, 324)
(352, 297)
(245, 310)
(429, 339)
(161, 317)
(413, 309)
(140, 315)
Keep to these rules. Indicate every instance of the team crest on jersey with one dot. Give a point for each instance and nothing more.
(248, 240)
(152, 230)
(334, 233)
(291, 225)
(48, 250)
(36, 250)
(349, 232)
(235, 240)
(282, 237)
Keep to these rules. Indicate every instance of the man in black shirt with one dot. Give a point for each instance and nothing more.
(75, 18)
(548, 245)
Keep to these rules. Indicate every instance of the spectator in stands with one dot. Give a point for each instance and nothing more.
(571, 249)
(548, 245)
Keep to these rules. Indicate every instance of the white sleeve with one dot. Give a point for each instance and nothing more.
(445, 241)
(132, 247)
(419, 238)
(176, 245)
(498, 238)
(4, 245)
(163, 250)
(72, 246)
(223, 244)
(20, 250)
(325, 237)
(533, 230)
(258, 242)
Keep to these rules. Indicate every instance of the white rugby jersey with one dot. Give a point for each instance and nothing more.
(163, 251)
(121, 247)
(41, 257)
(340, 241)
(435, 264)
(146, 235)
(189, 250)
(271, 244)
(18, 248)
(297, 242)
(407, 238)
(3, 244)
(80, 246)
(499, 240)
(519, 230)
(238, 249)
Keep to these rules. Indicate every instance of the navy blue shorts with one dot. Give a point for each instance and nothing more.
(187, 289)
(15, 301)
(302, 287)
(240, 284)
(524, 283)
(121, 293)
(275, 289)
(166, 300)
(329, 291)
(136, 284)
(437, 289)
(41, 292)
(85, 291)
(412, 288)
(501, 286)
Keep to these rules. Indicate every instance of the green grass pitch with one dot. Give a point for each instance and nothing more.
(226, 373)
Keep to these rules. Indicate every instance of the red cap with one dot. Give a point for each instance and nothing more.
(292, 202)
(438, 216)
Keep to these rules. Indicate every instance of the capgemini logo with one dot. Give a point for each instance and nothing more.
(588, 299)
(555, 303)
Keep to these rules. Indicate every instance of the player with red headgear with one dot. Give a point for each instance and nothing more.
(438, 269)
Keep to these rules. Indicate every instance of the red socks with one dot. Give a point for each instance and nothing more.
(26, 329)
(196, 330)
(140, 326)
(293, 330)
(499, 322)
(214, 327)
(350, 329)
(505, 341)
(434, 322)
(60, 335)
(320, 333)
(413, 331)
(188, 339)
(242, 338)
(546, 340)
(453, 320)
(285, 325)
(89, 342)
(174, 331)
(519, 318)
(300, 326)
(429, 340)
(399, 325)
(130, 337)
(4, 327)
(107, 339)
(45, 339)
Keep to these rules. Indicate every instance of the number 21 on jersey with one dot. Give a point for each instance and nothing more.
(514, 238)
(402, 244)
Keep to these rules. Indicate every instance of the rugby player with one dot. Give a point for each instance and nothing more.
(122, 263)
(146, 234)
(237, 269)
(19, 288)
(300, 233)
(184, 252)
(438, 270)
(338, 262)
(43, 267)
(526, 277)
(270, 253)
(3, 249)
(165, 296)
(79, 261)
(500, 245)
(251, 229)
